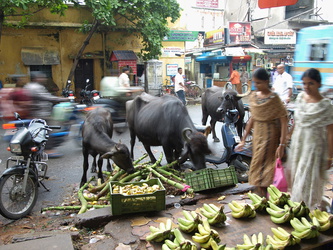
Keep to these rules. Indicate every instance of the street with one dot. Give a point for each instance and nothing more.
(65, 172)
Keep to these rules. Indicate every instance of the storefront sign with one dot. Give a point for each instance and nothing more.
(210, 4)
(181, 35)
(171, 69)
(214, 37)
(172, 51)
(240, 32)
(197, 43)
(188, 59)
(280, 36)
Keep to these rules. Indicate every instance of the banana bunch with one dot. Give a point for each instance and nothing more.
(161, 233)
(190, 223)
(179, 243)
(239, 210)
(281, 239)
(207, 237)
(255, 242)
(324, 218)
(276, 196)
(213, 214)
(299, 208)
(279, 215)
(304, 229)
(259, 203)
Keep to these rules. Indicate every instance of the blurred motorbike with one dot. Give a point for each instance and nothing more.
(89, 97)
(19, 183)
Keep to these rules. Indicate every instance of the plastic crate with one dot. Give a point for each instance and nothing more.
(125, 204)
(200, 180)
(210, 178)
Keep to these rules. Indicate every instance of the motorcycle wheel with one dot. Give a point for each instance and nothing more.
(13, 204)
(242, 176)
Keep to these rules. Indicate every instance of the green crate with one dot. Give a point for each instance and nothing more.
(125, 204)
(210, 178)
(200, 180)
(224, 177)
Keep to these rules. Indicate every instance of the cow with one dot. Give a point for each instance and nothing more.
(97, 131)
(215, 101)
(164, 121)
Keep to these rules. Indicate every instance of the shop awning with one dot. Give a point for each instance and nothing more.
(39, 56)
(213, 59)
(236, 59)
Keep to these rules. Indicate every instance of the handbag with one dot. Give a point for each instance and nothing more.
(280, 180)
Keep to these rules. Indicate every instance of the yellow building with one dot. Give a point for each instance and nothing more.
(50, 42)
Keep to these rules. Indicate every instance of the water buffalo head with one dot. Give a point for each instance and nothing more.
(195, 148)
(230, 100)
(120, 155)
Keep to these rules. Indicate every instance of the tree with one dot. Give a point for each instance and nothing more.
(148, 19)
(27, 8)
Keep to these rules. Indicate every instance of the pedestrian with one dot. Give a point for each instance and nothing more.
(283, 84)
(235, 81)
(41, 106)
(269, 123)
(124, 80)
(180, 86)
(244, 76)
(311, 152)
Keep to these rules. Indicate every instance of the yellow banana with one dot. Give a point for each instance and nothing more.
(315, 222)
(168, 224)
(207, 214)
(276, 244)
(206, 225)
(236, 204)
(194, 215)
(279, 234)
(179, 236)
(187, 215)
(254, 239)
(214, 246)
(206, 244)
(305, 222)
(216, 208)
(244, 246)
(283, 219)
(325, 227)
(261, 238)
(275, 213)
(158, 236)
(302, 234)
(154, 229)
(247, 240)
(162, 226)
(298, 225)
(201, 239)
(235, 209)
(219, 218)
(185, 222)
(202, 230)
(188, 229)
(165, 247)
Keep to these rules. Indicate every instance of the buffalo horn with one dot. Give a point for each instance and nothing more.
(245, 94)
(185, 136)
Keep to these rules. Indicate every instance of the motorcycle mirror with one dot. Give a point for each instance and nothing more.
(17, 116)
(87, 80)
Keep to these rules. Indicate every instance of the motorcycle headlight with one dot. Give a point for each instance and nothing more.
(15, 148)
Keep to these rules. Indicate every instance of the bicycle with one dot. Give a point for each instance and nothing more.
(193, 90)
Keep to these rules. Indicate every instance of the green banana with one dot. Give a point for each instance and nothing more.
(275, 213)
(219, 218)
(154, 229)
(180, 238)
(276, 244)
(185, 222)
(298, 225)
(206, 244)
(187, 215)
(189, 228)
(171, 244)
(275, 207)
(201, 239)
(302, 234)
(208, 208)
(216, 208)
(166, 247)
(287, 217)
(158, 236)
(202, 230)
(207, 214)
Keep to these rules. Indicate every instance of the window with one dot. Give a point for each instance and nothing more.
(46, 69)
(318, 52)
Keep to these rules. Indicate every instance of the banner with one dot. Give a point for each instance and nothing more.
(214, 37)
(280, 36)
(240, 32)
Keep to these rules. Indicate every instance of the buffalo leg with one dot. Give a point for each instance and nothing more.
(132, 134)
(204, 118)
(85, 166)
(93, 166)
(100, 165)
(108, 166)
(151, 156)
(239, 125)
(169, 154)
(212, 124)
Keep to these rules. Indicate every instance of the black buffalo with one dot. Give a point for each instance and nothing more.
(164, 121)
(215, 101)
(97, 132)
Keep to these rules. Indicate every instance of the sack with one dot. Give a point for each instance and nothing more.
(280, 180)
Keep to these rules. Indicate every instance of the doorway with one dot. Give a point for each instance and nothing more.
(84, 70)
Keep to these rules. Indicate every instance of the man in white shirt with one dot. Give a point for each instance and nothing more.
(283, 84)
(179, 86)
(124, 80)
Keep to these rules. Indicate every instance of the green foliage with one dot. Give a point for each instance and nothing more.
(147, 18)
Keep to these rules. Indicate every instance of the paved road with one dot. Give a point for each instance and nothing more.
(65, 172)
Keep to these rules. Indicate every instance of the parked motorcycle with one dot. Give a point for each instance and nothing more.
(89, 97)
(19, 183)
(240, 160)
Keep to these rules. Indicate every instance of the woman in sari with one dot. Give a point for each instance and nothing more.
(269, 123)
(312, 142)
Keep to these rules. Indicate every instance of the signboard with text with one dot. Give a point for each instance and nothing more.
(240, 32)
(172, 51)
(209, 4)
(171, 69)
(280, 36)
(181, 35)
(214, 37)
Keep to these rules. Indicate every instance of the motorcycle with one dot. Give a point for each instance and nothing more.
(240, 160)
(19, 183)
(89, 97)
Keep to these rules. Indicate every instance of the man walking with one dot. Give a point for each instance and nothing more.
(283, 84)
(179, 86)
(124, 80)
(235, 81)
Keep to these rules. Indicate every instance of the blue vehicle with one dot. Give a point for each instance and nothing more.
(314, 49)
